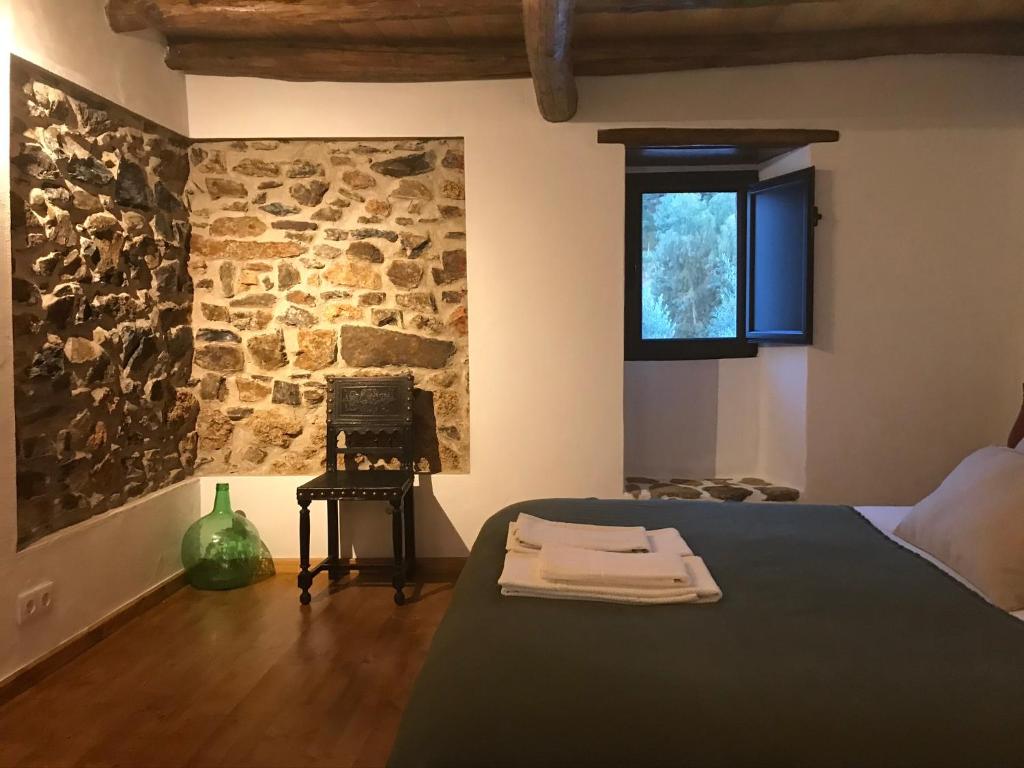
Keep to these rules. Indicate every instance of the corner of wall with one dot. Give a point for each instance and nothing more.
(89, 583)
(73, 40)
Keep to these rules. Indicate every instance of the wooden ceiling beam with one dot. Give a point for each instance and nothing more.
(349, 63)
(711, 51)
(403, 63)
(646, 6)
(312, 18)
(285, 18)
(547, 27)
(129, 15)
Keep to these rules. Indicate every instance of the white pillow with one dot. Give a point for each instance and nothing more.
(1020, 447)
(974, 523)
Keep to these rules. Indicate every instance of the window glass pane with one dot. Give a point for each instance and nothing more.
(689, 270)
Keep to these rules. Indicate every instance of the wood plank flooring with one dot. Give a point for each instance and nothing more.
(241, 678)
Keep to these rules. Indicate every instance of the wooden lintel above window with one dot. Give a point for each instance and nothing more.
(710, 146)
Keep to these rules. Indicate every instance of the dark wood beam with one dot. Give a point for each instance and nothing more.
(710, 51)
(316, 18)
(286, 18)
(402, 63)
(547, 26)
(663, 147)
(645, 6)
(715, 137)
(128, 15)
(353, 63)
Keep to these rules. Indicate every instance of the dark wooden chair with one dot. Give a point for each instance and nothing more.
(375, 416)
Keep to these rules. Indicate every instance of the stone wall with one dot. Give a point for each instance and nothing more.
(319, 257)
(102, 306)
(136, 363)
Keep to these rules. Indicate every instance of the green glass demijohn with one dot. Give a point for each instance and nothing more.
(223, 550)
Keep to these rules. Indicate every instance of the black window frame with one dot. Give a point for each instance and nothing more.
(637, 185)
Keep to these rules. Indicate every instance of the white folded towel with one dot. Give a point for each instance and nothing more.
(663, 540)
(668, 541)
(618, 569)
(701, 579)
(534, 533)
(521, 578)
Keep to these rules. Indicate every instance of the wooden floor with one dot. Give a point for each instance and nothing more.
(240, 678)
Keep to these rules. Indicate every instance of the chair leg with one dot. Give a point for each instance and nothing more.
(305, 577)
(333, 542)
(410, 534)
(398, 580)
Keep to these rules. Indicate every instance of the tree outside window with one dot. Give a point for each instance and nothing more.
(689, 265)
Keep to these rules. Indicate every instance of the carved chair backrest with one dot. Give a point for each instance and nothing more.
(375, 415)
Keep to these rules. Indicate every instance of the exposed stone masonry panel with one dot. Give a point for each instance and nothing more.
(314, 258)
(102, 307)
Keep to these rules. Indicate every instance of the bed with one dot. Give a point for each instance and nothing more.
(833, 646)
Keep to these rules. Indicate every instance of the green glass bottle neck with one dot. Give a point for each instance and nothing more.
(222, 502)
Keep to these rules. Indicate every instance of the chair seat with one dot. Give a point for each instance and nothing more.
(370, 484)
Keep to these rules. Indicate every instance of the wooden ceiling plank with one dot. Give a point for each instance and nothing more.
(806, 18)
(404, 63)
(468, 27)
(282, 18)
(350, 63)
(608, 20)
(711, 51)
(434, 30)
(646, 6)
(547, 25)
(306, 19)
(422, 63)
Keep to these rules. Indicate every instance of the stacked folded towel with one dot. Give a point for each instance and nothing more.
(616, 569)
(568, 561)
(664, 540)
(534, 533)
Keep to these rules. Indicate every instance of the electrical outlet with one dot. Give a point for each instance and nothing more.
(35, 603)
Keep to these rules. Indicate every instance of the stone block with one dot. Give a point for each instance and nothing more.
(318, 349)
(368, 347)
(267, 351)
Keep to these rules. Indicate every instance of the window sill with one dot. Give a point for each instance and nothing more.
(689, 349)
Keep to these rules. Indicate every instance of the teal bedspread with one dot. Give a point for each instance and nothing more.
(833, 646)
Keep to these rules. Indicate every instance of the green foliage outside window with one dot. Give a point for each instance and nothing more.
(689, 265)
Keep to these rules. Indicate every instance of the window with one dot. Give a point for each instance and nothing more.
(716, 263)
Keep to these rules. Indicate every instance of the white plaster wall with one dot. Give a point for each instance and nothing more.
(72, 39)
(920, 350)
(718, 418)
(545, 267)
(99, 565)
(782, 416)
(670, 418)
(738, 417)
